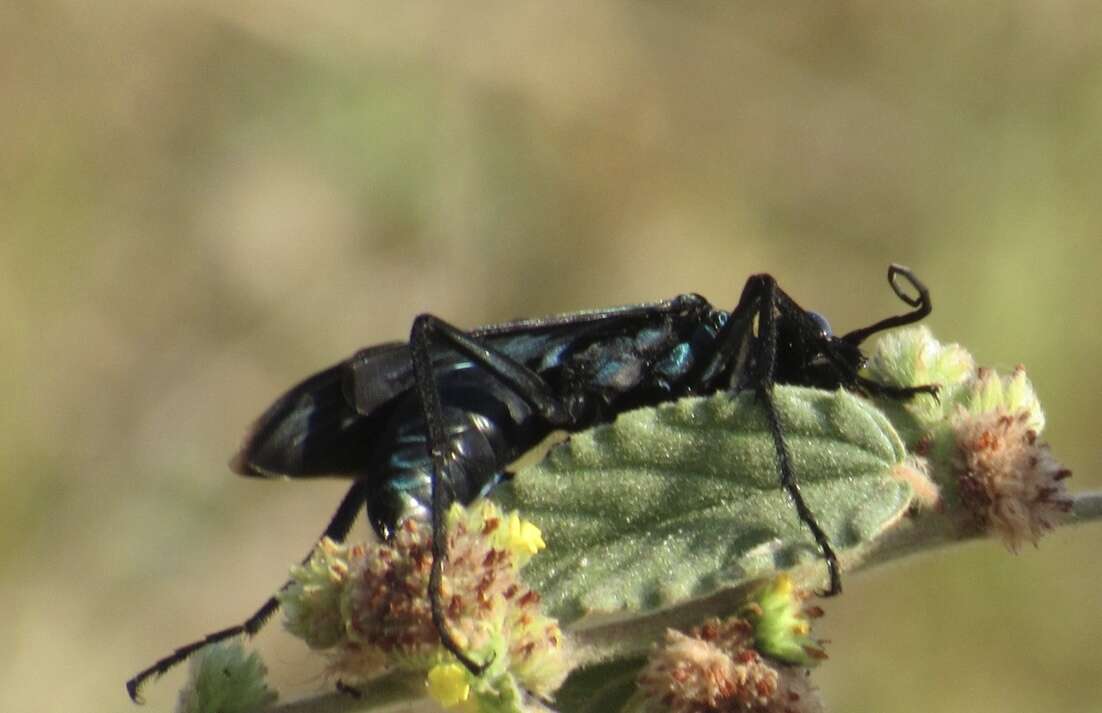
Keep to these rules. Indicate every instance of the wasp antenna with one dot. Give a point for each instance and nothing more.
(922, 304)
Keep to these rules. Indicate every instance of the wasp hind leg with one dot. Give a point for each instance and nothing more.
(337, 530)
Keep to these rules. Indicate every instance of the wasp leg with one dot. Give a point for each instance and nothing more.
(752, 359)
(337, 529)
(764, 360)
(529, 385)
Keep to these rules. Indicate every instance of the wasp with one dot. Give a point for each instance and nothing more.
(417, 425)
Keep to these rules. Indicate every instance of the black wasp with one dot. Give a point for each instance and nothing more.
(419, 424)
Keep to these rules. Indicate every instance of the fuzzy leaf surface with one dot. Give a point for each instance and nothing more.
(675, 502)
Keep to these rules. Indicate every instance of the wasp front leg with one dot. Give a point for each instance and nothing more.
(751, 361)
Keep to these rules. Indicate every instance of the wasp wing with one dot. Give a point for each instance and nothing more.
(329, 424)
(377, 375)
(315, 428)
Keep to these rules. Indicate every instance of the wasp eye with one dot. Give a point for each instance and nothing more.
(821, 322)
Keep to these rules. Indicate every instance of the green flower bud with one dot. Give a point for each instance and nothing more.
(781, 624)
(312, 602)
(225, 680)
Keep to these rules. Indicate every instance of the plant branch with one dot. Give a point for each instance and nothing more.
(930, 532)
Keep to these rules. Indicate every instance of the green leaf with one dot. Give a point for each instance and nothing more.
(600, 688)
(676, 502)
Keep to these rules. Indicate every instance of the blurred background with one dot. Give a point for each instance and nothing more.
(203, 202)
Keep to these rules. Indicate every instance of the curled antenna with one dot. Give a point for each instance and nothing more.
(921, 303)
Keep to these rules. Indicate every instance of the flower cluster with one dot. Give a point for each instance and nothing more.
(369, 607)
(1008, 480)
(981, 436)
(753, 663)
